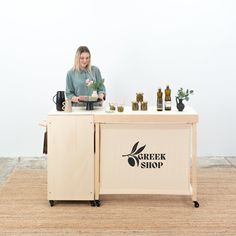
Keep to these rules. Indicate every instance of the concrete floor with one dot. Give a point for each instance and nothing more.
(8, 164)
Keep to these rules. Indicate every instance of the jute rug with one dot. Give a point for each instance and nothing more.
(24, 209)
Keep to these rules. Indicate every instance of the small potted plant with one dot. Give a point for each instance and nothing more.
(94, 85)
(182, 95)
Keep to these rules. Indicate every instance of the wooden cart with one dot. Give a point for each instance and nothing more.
(91, 153)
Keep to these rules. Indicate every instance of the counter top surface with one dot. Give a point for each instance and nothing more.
(127, 111)
(151, 115)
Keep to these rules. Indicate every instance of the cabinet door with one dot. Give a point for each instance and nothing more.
(70, 158)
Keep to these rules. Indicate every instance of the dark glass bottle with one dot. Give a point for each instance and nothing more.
(159, 100)
(167, 98)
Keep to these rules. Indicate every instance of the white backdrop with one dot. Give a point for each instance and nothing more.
(138, 45)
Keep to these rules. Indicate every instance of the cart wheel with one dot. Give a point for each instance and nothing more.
(51, 202)
(196, 204)
(93, 203)
(98, 204)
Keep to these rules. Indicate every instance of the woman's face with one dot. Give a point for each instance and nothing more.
(84, 60)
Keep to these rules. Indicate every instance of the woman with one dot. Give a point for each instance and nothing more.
(77, 78)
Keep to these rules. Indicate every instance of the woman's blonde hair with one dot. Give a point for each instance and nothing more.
(78, 53)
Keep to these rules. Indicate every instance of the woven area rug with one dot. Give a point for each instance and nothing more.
(24, 209)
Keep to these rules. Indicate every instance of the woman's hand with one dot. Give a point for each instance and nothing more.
(75, 99)
(101, 96)
(83, 98)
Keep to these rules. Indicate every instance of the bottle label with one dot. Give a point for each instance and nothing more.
(168, 104)
(159, 106)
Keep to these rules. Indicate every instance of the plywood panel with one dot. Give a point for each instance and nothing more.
(161, 167)
(70, 158)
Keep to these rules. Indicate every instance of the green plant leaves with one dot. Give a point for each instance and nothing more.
(184, 94)
(96, 84)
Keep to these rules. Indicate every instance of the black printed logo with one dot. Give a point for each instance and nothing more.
(144, 160)
(132, 157)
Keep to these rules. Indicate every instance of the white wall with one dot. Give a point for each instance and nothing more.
(138, 45)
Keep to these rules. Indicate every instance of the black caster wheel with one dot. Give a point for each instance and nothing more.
(52, 203)
(98, 204)
(196, 204)
(93, 203)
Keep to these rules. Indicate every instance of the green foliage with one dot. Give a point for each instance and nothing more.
(184, 94)
(95, 85)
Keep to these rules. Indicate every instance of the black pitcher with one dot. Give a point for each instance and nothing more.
(60, 98)
(179, 103)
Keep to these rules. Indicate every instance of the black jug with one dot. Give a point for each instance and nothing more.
(179, 103)
(60, 98)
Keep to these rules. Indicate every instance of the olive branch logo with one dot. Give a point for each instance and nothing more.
(132, 156)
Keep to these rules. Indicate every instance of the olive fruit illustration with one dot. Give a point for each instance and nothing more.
(131, 161)
(132, 157)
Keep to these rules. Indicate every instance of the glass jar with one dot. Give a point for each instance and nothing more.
(144, 106)
(135, 106)
(120, 108)
(112, 106)
(139, 97)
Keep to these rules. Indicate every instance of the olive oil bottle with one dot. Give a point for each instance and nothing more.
(167, 98)
(159, 100)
